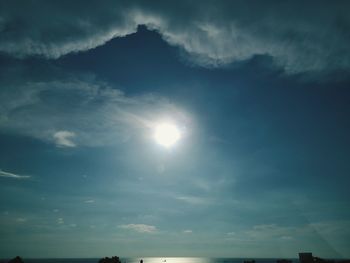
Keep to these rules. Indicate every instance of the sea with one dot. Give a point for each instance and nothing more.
(156, 260)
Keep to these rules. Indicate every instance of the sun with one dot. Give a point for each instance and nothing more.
(167, 134)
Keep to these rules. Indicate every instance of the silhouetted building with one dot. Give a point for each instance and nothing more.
(306, 257)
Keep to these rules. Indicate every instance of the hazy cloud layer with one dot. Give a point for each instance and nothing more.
(194, 200)
(141, 228)
(327, 235)
(79, 112)
(211, 33)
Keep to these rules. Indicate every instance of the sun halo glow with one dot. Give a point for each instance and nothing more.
(166, 134)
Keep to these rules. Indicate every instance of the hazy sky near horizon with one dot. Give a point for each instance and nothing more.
(258, 89)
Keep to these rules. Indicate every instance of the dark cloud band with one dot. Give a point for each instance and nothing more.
(212, 34)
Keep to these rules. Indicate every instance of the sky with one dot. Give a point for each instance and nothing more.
(257, 90)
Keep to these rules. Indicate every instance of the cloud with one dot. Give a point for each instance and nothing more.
(63, 138)
(12, 175)
(188, 231)
(79, 111)
(89, 201)
(141, 228)
(60, 221)
(330, 228)
(81, 25)
(194, 200)
(330, 231)
(274, 231)
(211, 35)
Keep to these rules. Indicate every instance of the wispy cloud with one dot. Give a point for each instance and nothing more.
(13, 175)
(99, 114)
(194, 200)
(141, 228)
(21, 220)
(64, 138)
(60, 221)
(188, 231)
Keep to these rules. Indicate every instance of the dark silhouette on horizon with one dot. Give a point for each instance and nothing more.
(307, 257)
(114, 259)
(16, 260)
(304, 257)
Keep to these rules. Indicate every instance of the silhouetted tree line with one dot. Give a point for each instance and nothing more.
(14, 260)
(321, 260)
(283, 261)
(110, 260)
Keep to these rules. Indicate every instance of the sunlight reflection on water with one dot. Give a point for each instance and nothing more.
(170, 260)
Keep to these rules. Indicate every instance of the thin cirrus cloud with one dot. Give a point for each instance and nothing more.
(13, 175)
(293, 34)
(194, 200)
(21, 220)
(140, 228)
(79, 112)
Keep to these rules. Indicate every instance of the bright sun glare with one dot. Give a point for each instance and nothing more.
(167, 134)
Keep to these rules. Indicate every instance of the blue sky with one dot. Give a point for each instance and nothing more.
(260, 93)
